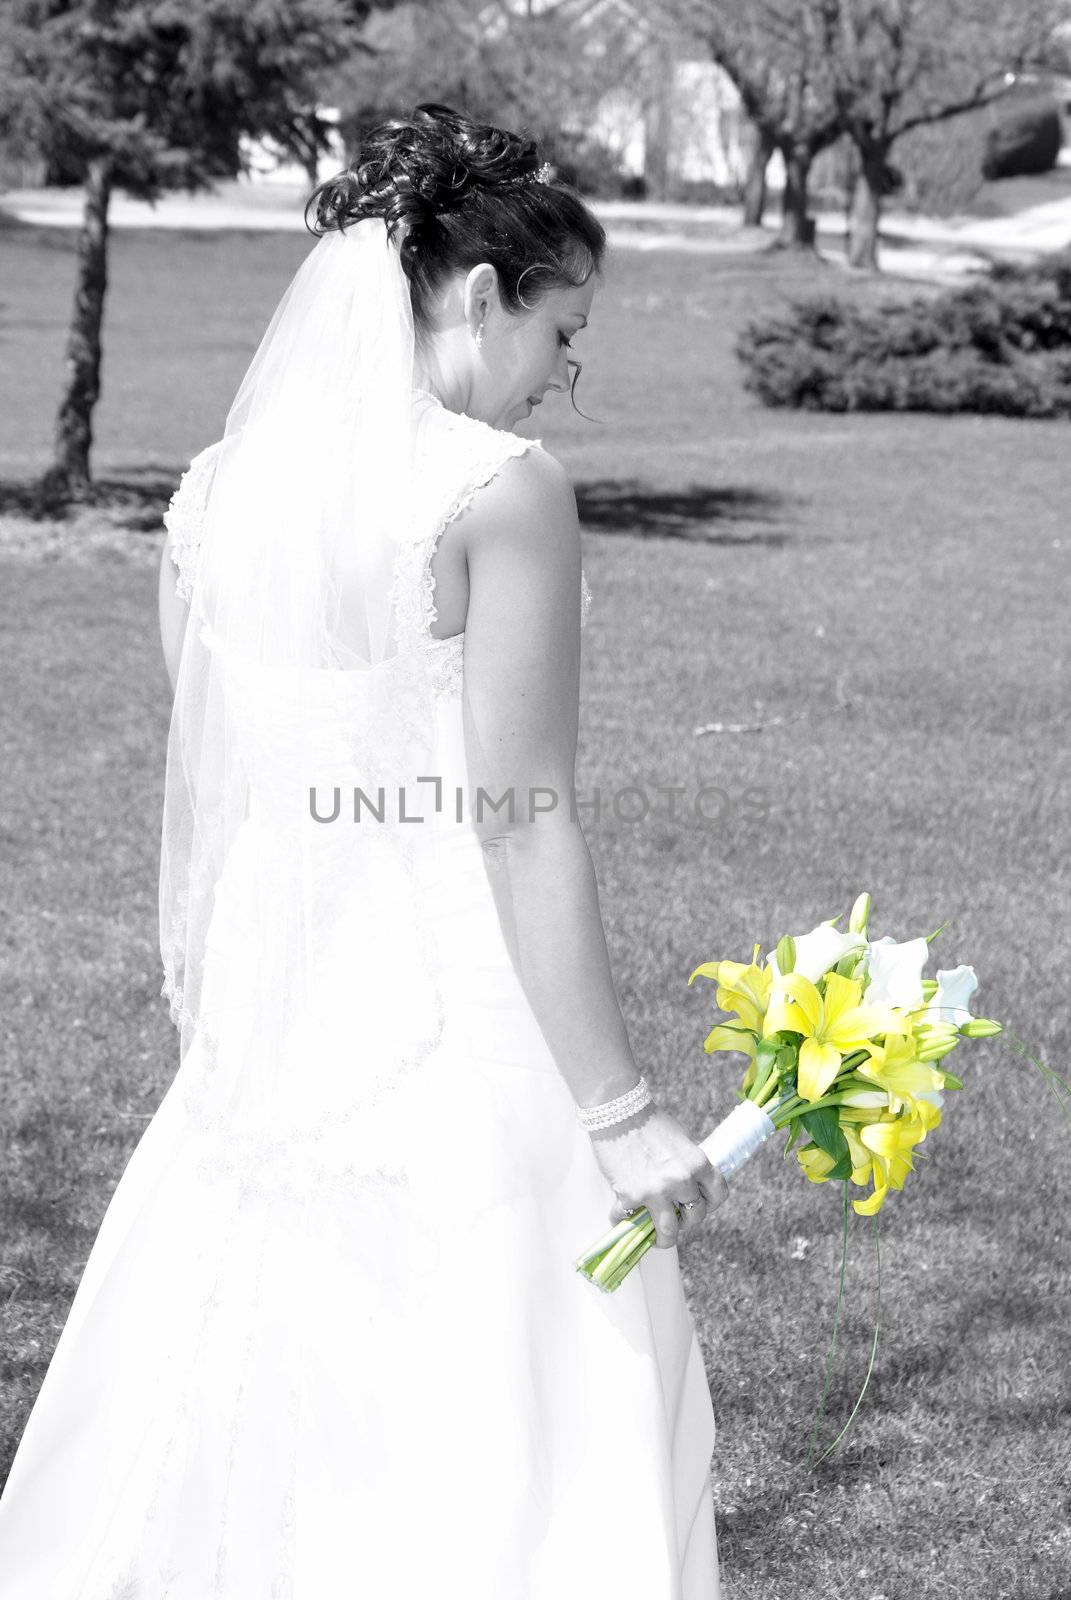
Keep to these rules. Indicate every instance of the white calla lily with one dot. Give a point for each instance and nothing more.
(954, 988)
(821, 949)
(895, 972)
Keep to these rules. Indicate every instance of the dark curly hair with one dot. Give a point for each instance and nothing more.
(454, 187)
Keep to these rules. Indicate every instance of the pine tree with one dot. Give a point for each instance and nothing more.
(149, 96)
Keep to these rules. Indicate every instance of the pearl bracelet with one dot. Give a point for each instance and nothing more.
(625, 1105)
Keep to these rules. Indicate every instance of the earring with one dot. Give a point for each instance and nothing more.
(479, 337)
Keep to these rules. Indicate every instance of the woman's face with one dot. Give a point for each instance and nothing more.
(520, 355)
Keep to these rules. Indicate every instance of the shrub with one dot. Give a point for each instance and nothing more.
(586, 162)
(942, 163)
(1025, 140)
(1000, 345)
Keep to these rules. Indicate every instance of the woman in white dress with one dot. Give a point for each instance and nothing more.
(330, 1341)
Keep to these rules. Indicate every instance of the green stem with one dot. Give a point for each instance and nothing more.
(767, 1092)
(873, 1347)
(820, 1413)
(1053, 1080)
(783, 1114)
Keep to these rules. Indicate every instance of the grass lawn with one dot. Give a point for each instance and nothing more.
(892, 589)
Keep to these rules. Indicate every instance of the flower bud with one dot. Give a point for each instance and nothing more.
(980, 1028)
(860, 914)
(785, 954)
(934, 1049)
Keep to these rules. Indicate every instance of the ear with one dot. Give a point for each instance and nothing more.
(481, 294)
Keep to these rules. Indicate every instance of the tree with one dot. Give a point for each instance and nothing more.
(151, 95)
(542, 68)
(777, 53)
(905, 64)
(759, 155)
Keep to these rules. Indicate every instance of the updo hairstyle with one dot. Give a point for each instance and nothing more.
(462, 193)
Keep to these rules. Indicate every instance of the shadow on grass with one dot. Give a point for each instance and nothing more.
(702, 512)
(138, 497)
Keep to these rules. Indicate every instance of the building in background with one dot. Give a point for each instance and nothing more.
(678, 123)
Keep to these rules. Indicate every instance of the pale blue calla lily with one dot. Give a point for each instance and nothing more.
(820, 950)
(954, 988)
(895, 971)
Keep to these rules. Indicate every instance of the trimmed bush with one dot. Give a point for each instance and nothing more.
(942, 163)
(1025, 140)
(999, 345)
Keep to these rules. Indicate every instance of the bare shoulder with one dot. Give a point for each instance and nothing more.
(531, 496)
(522, 630)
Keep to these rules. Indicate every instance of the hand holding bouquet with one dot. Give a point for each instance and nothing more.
(844, 1040)
(843, 1037)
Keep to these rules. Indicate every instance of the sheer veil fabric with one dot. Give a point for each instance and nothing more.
(330, 1340)
(310, 498)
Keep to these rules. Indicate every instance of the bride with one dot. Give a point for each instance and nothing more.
(330, 1340)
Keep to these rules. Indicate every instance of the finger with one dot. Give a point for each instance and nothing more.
(693, 1210)
(714, 1187)
(666, 1224)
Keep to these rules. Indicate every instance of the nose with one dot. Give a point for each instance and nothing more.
(560, 378)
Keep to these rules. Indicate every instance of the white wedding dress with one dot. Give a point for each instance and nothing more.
(309, 1366)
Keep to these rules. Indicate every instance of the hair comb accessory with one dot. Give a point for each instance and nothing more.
(542, 174)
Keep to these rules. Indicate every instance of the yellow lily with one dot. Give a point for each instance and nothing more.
(838, 1023)
(895, 1066)
(743, 989)
(860, 1156)
(817, 1164)
(890, 1145)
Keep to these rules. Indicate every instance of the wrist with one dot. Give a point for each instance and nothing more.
(611, 1114)
(625, 1125)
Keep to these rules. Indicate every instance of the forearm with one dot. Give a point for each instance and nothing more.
(547, 898)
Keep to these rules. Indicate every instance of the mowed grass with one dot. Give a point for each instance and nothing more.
(887, 597)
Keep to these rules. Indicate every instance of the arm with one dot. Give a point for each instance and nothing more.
(174, 614)
(521, 710)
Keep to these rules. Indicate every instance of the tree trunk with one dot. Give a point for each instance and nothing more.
(866, 211)
(658, 124)
(797, 225)
(69, 472)
(755, 181)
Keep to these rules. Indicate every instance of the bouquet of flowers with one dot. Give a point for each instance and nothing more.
(843, 1037)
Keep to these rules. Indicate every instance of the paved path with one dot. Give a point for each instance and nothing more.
(912, 246)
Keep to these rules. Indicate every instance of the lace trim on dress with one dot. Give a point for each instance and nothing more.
(446, 658)
(184, 518)
(414, 586)
(413, 590)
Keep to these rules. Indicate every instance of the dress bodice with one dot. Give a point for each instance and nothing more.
(456, 455)
(350, 729)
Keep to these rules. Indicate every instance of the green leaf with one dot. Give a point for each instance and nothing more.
(787, 1057)
(951, 1082)
(794, 1131)
(842, 1170)
(765, 1064)
(824, 1129)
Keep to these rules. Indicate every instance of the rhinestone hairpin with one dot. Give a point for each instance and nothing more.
(542, 174)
